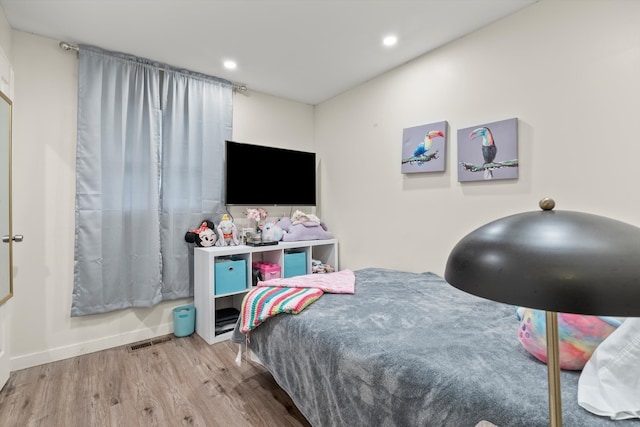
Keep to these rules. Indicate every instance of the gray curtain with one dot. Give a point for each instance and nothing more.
(145, 174)
(197, 112)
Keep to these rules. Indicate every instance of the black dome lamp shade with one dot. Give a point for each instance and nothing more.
(558, 261)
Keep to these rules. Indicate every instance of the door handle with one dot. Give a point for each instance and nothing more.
(16, 238)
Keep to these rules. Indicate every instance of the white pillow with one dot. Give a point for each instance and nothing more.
(609, 384)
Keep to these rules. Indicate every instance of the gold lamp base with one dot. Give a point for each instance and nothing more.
(553, 370)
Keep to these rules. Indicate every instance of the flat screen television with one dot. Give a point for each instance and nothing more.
(257, 175)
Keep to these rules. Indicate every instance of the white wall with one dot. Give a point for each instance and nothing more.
(568, 70)
(5, 35)
(45, 108)
(267, 120)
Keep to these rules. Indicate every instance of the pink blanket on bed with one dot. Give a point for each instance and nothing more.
(339, 282)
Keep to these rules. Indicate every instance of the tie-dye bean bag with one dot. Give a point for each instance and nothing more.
(579, 335)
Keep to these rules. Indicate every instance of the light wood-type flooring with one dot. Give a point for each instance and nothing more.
(180, 382)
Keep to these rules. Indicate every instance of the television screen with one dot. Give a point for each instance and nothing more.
(257, 175)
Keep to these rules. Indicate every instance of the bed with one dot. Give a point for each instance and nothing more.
(408, 349)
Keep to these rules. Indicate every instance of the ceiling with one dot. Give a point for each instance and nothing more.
(303, 50)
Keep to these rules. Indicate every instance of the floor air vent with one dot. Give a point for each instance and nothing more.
(148, 343)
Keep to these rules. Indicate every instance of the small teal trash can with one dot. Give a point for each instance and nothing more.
(184, 320)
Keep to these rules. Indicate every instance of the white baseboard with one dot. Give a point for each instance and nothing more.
(61, 353)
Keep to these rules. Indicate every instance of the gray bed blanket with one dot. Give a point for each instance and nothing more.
(408, 350)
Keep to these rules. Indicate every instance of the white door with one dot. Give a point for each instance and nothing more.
(6, 245)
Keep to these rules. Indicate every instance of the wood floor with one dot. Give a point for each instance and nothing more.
(181, 382)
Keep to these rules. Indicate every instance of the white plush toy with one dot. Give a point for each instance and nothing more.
(300, 217)
(227, 232)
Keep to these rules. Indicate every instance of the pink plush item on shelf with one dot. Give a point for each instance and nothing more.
(579, 335)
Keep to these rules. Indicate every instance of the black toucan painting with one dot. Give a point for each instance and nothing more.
(478, 154)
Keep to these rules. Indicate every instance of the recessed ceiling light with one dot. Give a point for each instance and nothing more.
(230, 65)
(390, 40)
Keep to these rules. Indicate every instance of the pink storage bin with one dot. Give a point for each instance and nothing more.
(267, 270)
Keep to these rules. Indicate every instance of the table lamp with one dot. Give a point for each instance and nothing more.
(557, 261)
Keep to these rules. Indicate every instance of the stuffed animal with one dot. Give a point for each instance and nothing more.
(271, 232)
(227, 232)
(578, 335)
(300, 217)
(205, 236)
(313, 229)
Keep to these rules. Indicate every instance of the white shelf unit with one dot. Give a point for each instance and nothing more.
(204, 297)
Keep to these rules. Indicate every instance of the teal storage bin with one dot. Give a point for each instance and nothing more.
(184, 320)
(295, 264)
(230, 276)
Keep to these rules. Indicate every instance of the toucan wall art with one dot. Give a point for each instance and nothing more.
(423, 148)
(488, 151)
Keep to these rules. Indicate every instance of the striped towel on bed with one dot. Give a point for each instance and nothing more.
(263, 302)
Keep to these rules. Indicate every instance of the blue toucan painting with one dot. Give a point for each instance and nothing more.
(425, 145)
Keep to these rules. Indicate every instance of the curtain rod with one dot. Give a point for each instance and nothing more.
(68, 46)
